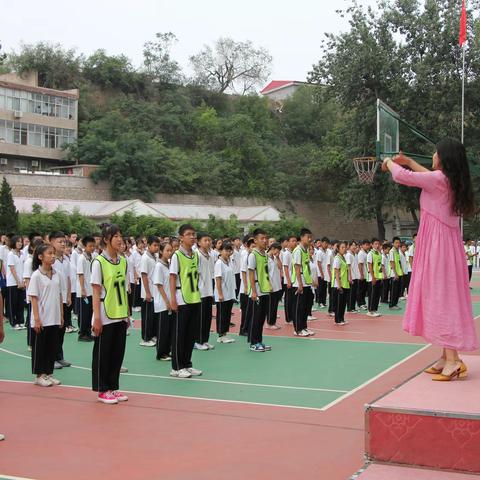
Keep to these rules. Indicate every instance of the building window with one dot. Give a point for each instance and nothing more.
(47, 105)
(35, 135)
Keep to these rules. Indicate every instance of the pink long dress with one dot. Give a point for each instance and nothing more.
(439, 306)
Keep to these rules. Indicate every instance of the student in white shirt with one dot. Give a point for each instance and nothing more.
(149, 320)
(321, 258)
(15, 283)
(386, 266)
(3, 274)
(76, 252)
(245, 306)
(396, 274)
(376, 276)
(404, 263)
(127, 253)
(314, 287)
(137, 256)
(206, 266)
(363, 270)
(341, 283)
(352, 262)
(84, 289)
(67, 315)
(289, 301)
(45, 292)
(224, 292)
(332, 299)
(236, 260)
(274, 269)
(161, 299)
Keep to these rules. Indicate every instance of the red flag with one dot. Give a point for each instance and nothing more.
(463, 25)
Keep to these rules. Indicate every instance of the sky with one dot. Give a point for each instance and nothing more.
(290, 31)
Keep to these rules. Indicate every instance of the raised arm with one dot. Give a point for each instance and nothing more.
(425, 179)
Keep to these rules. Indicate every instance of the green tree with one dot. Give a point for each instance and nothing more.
(218, 227)
(288, 225)
(8, 211)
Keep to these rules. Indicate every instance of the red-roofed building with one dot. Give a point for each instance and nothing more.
(278, 90)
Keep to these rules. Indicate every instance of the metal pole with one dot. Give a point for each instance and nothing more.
(463, 114)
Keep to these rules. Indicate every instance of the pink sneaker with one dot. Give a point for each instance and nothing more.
(107, 397)
(121, 397)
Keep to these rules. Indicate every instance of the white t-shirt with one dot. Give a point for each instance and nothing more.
(3, 258)
(97, 279)
(391, 258)
(386, 264)
(73, 269)
(14, 260)
(137, 258)
(161, 276)
(314, 272)
(337, 264)
(362, 259)
(130, 268)
(243, 269)
(215, 254)
(48, 292)
(403, 262)
(352, 261)
(274, 274)
(411, 254)
(252, 265)
(297, 260)
(236, 260)
(287, 262)
(84, 267)
(27, 270)
(147, 265)
(63, 269)
(206, 266)
(225, 272)
(318, 257)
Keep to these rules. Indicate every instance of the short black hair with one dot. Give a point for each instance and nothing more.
(259, 231)
(305, 231)
(292, 236)
(55, 235)
(87, 239)
(325, 239)
(365, 242)
(395, 239)
(185, 228)
(375, 240)
(226, 246)
(275, 245)
(250, 241)
(246, 238)
(201, 235)
(109, 231)
(32, 235)
(152, 239)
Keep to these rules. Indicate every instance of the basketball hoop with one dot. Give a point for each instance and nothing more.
(366, 168)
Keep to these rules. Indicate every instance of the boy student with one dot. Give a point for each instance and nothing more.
(352, 262)
(332, 299)
(341, 283)
(289, 301)
(302, 280)
(386, 266)
(137, 258)
(148, 317)
(404, 264)
(84, 289)
(363, 270)
(248, 244)
(206, 265)
(260, 288)
(62, 267)
(274, 269)
(375, 277)
(69, 328)
(322, 260)
(185, 303)
(396, 274)
(236, 260)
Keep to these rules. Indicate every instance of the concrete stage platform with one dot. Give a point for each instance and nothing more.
(393, 472)
(428, 424)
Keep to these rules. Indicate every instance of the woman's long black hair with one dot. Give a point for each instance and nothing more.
(453, 158)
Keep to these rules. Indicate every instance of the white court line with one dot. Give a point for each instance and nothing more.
(244, 384)
(368, 382)
(205, 399)
(9, 477)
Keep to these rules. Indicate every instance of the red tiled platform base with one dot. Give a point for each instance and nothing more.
(428, 424)
(393, 472)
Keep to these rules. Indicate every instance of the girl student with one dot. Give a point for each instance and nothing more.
(224, 291)
(15, 283)
(110, 316)
(27, 275)
(45, 292)
(274, 272)
(341, 283)
(161, 302)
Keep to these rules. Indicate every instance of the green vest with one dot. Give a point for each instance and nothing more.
(114, 278)
(398, 265)
(344, 283)
(263, 277)
(305, 267)
(377, 265)
(188, 274)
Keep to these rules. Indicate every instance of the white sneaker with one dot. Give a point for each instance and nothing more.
(57, 365)
(54, 381)
(137, 309)
(184, 373)
(210, 347)
(2, 437)
(331, 314)
(200, 346)
(123, 369)
(194, 372)
(310, 318)
(303, 333)
(174, 373)
(154, 339)
(43, 381)
(225, 339)
(17, 327)
(147, 343)
(23, 326)
(373, 314)
(402, 298)
(310, 332)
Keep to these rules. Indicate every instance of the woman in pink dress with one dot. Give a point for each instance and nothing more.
(439, 306)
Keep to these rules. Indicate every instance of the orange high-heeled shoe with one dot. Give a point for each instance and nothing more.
(460, 373)
(435, 371)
